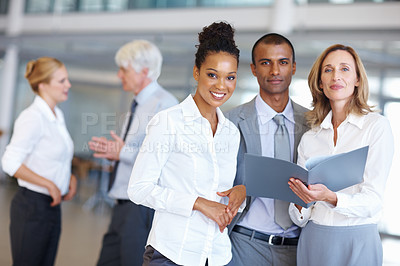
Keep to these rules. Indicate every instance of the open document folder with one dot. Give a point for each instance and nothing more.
(268, 177)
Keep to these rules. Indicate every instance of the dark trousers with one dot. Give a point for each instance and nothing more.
(125, 241)
(154, 258)
(35, 229)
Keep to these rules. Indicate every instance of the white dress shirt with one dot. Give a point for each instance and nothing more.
(42, 143)
(181, 160)
(151, 100)
(261, 215)
(361, 203)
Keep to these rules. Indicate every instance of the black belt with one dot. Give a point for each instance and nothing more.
(271, 239)
(122, 201)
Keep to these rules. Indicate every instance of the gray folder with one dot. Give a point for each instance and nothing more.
(268, 177)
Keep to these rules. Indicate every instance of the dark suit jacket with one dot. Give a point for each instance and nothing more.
(245, 118)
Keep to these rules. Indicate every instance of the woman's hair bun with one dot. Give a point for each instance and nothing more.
(217, 37)
(217, 30)
(29, 68)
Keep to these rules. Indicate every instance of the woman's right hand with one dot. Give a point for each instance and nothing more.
(311, 193)
(28, 175)
(55, 194)
(215, 211)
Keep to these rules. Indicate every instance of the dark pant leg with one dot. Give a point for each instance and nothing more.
(159, 259)
(152, 257)
(53, 238)
(35, 229)
(110, 250)
(135, 233)
(124, 243)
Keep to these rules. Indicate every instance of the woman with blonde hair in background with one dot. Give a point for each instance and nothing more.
(39, 156)
(341, 227)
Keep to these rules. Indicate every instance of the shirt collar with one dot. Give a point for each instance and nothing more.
(191, 112)
(357, 120)
(266, 113)
(46, 110)
(146, 92)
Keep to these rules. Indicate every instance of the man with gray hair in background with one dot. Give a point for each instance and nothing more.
(139, 68)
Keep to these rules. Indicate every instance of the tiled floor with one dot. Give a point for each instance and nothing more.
(83, 229)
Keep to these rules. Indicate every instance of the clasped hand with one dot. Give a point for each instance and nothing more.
(220, 213)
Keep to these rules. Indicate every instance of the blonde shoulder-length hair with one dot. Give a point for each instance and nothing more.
(358, 103)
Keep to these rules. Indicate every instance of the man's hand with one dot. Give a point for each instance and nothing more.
(214, 210)
(105, 148)
(73, 183)
(236, 196)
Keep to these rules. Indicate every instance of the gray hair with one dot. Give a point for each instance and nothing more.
(140, 54)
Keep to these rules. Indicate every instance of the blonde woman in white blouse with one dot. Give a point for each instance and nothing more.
(39, 156)
(341, 227)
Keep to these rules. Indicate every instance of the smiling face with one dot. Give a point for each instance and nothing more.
(274, 68)
(56, 91)
(338, 76)
(216, 80)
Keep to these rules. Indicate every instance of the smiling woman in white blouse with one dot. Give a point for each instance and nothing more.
(341, 227)
(39, 156)
(187, 163)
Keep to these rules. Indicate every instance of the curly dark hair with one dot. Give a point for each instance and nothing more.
(217, 37)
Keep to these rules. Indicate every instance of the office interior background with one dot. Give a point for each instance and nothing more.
(85, 35)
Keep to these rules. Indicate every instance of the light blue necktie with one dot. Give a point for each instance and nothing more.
(282, 151)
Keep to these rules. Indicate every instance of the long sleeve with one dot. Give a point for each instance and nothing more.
(369, 199)
(361, 203)
(42, 143)
(144, 185)
(27, 132)
(180, 160)
(299, 218)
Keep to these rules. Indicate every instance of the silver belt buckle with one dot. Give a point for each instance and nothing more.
(270, 239)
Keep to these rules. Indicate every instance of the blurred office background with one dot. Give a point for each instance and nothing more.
(85, 34)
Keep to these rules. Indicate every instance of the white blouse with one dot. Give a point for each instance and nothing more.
(42, 143)
(361, 203)
(181, 160)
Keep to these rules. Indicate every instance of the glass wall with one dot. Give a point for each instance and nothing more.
(4, 6)
(390, 221)
(49, 6)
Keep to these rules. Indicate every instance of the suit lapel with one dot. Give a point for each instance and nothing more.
(299, 128)
(248, 126)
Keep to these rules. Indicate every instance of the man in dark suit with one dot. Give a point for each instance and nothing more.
(263, 233)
